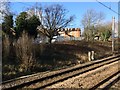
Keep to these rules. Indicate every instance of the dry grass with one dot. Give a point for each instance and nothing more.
(6, 47)
(32, 58)
(19, 56)
(24, 52)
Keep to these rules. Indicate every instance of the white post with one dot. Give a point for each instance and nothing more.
(113, 31)
(92, 56)
(89, 56)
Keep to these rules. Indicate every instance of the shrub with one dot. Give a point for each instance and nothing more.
(5, 47)
(24, 52)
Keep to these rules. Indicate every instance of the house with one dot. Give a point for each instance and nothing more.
(64, 34)
(70, 33)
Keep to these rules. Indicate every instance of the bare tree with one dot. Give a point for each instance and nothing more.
(53, 19)
(90, 19)
(4, 8)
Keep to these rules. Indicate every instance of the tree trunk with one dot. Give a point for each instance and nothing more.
(50, 40)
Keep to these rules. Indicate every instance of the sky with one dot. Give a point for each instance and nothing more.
(78, 9)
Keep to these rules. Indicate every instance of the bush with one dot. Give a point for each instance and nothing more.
(5, 47)
(24, 52)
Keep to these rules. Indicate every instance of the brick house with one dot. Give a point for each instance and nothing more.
(70, 32)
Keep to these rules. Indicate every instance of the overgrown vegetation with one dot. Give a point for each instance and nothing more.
(18, 56)
(24, 52)
(23, 57)
(104, 31)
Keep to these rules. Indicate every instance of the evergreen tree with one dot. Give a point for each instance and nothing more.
(21, 23)
(33, 22)
(7, 24)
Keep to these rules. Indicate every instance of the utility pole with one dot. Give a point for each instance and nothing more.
(113, 32)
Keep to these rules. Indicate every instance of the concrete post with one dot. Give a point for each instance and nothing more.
(113, 31)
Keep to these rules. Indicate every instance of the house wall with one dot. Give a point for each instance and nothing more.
(71, 32)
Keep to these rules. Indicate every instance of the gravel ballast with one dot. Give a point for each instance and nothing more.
(89, 79)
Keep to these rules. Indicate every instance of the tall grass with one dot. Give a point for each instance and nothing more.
(5, 47)
(20, 56)
(33, 57)
(24, 52)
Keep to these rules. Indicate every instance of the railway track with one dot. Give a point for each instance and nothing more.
(50, 78)
(116, 85)
(101, 78)
(106, 83)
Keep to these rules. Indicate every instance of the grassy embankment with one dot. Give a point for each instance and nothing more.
(52, 56)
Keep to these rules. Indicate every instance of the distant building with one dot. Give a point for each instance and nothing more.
(70, 32)
(64, 34)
